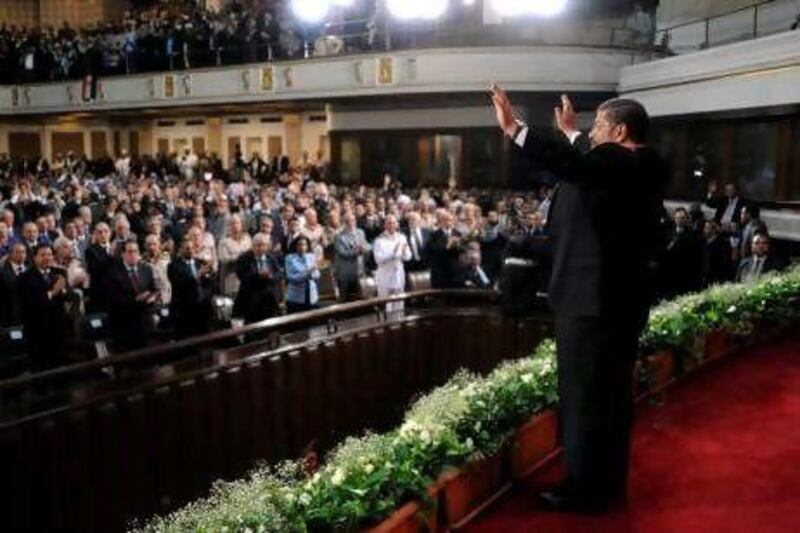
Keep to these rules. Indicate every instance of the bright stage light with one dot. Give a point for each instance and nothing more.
(311, 10)
(546, 8)
(417, 9)
(342, 3)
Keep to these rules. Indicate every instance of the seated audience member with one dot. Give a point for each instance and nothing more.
(131, 294)
(350, 245)
(717, 263)
(473, 275)
(391, 250)
(231, 247)
(760, 261)
(728, 208)
(42, 290)
(192, 288)
(30, 238)
(12, 268)
(301, 277)
(443, 252)
(259, 276)
(493, 242)
(99, 257)
(751, 224)
(683, 258)
(158, 260)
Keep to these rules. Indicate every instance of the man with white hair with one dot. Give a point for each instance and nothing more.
(259, 281)
(391, 250)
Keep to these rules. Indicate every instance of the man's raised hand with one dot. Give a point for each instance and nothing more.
(503, 110)
(565, 117)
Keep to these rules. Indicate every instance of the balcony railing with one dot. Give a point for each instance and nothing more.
(750, 22)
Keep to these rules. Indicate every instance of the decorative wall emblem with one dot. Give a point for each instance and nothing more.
(151, 87)
(358, 71)
(186, 84)
(288, 77)
(169, 86)
(385, 71)
(26, 95)
(15, 97)
(70, 93)
(101, 91)
(267, 79)
(411, 69)
(245, 75)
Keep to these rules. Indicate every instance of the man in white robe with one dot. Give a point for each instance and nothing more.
(391, 250)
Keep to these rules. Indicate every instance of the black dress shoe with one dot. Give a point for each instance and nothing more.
(565, 501)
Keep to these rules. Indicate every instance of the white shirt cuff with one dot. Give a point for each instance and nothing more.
(522, 136)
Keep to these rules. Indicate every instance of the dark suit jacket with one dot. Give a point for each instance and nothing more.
(771, 264)
(10, 312)
(98, 263)
(191, 299)
(422, 262)
(682, 266)
(470, 279)
(444, 262)
(47, 326)
(717, 261)
(258, 297)
(128, 318)
(603, 223)
(720, 203)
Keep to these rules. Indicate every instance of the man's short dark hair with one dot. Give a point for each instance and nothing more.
(39, 247)
(753, 210)
(628, 112)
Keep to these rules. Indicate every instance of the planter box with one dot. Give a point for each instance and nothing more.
(660, 369)
(413, 517)
(466, 492)
(718, 344)
(533, 443)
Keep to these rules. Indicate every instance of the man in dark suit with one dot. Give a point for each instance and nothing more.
(760, 261)
(192, 288)
(443, 252)
(418, 238)
(472, 274)
(259, 276)
(751, 224)
(42, 291)
(132, 291)
(717, 256)
(13, 267)
(600, 289)
(682, 264)
(99, 258)
(728, 207)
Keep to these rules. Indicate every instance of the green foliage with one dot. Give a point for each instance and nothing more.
(734, 308)
(365, 479)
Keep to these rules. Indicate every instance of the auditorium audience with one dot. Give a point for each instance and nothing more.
(728, 207)
(310, 228)
(132, 292)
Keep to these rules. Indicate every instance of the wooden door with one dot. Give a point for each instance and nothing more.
(99, 144)
(67, 141)
(274, 146)
(24, 144)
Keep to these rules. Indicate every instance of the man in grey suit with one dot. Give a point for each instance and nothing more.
(760, 261)
(349, 245)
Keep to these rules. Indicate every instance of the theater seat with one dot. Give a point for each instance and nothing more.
(326, 286)
(419, 281)
(94, 327)
(367, 287)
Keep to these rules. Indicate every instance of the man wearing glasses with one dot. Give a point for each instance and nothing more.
(600, 286)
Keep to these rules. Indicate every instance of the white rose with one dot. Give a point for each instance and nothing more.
(338, 477)
(526, 378)
(368, 468)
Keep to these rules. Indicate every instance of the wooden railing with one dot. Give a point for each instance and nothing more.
(144, 448)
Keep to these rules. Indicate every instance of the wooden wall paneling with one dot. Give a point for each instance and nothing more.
(26, 144)
(317, 412)
(298, 400)
(396, 371)
(414, 359)
(99, 144)
(63, 142)
(783, 168)
(106, 450)
(46, 490)
(279, 396)
(256, 382)
(198, 145)
(191, 421)
(348, 363)
(17, 467)
(370, 410)
(332, 426)
(77, 463)
(237, 422)
(381, 378)
(215, 438)
(140, 475)
(133, 143)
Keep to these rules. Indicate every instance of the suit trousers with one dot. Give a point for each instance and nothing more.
(596, 356)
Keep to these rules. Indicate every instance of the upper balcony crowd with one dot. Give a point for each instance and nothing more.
(187, 37)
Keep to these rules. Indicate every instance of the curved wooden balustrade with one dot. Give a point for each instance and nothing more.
(141, 448)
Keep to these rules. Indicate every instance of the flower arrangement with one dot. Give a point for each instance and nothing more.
(365, 479)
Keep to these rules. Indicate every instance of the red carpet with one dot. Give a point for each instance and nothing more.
(721, 455)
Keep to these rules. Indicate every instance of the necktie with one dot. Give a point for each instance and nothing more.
(19, 269)
(134, 279)
(193, 268)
